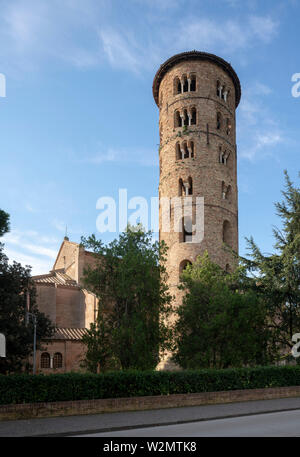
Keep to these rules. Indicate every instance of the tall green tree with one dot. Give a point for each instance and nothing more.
(278, 274)
(221, 322)
(15, 281)
(129, 279)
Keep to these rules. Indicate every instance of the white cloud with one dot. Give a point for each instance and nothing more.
(59, 225)
(30, 248)
(88, 33)
(21, 240)
(120, 50)
(234, 34)
(257, 128)
(39, 266)
(263, 28)
(261, 144)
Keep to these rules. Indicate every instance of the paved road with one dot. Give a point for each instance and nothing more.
(281, 424)
(86, 424)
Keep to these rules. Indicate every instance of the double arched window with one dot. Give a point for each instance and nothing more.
(46, 360)
(222, 91)
(226, 192)
(185, 187)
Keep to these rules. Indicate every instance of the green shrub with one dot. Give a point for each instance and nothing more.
(76, 386)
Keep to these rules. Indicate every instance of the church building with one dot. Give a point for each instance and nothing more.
(62, 297)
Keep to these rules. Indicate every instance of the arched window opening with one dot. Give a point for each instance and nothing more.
(226, 157)
(177, 86)
(227, 233)
(45, 360)
(228, 126)
(219, 89)
(183, 265)
(227, 268)
(57, 360)
(193, 83)
(193, 116)
(190, 183)
(187, 228)
(177, 119)
(192, 149)
(185, 118)
(186, 151)
(221, 155)
(185, 84)
(219, 121)
(178, 151)
(226, 191)
(181, 191)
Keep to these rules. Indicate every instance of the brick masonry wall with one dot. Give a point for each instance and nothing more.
(204, 169)
(72, 352)
(69, 408)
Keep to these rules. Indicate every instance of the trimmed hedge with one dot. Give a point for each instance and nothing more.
(74, 386)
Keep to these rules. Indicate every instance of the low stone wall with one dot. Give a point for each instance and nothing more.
(71, 408)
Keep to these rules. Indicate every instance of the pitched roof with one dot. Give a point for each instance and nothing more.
(55, 277)
(63, 333)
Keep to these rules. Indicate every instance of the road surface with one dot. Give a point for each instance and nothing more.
(111, 422)
(280, 424)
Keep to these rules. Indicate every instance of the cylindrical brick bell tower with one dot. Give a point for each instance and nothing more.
(197, 94)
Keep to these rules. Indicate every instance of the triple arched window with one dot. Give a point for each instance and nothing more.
(185, 150)
(186, 83)
(185, 117)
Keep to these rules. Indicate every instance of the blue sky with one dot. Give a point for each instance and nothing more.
(79, 120)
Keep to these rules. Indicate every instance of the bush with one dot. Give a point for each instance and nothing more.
(74, 386)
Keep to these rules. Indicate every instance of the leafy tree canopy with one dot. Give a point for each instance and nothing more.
(129, 279)
(278, 274)
(15, 281)
(221, 322)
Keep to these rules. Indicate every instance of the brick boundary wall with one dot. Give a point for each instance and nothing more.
(71, 408)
